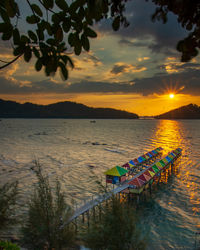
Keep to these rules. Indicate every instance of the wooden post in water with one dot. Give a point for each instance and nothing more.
(88, 217)
(94, 213)
(150, 188)
(76, 227)
(83, 218)
(138, 198)
(100, 211)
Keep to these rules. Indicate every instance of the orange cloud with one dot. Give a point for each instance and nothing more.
(140, 59)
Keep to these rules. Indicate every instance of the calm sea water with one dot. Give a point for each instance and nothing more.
(78, 152)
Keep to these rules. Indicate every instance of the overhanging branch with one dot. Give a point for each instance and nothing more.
(8, 63)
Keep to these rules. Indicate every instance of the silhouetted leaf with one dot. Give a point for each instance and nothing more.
(4, 15)
(27, 54)
(66, 59)
(77, 45)
(66, 25)
(48, 4)
(38, 65)
(36, 52)
(116, 23)
(18, 51)
(37, 9)
(32, 35)
(59, 34)
(55, 19)
(71, 39)
(81, 12)
(25, 39)
(74, 6)
(180, 45)
(16, 36)
(85, 42)
(62, 4)
(4, 27)
(7, 35)
(89, 32)
(10, 7)
(64, 71)
(189, 26)
(51, 41)
(32, 19)
(40, 34)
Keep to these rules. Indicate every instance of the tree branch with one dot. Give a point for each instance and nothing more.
(8, 63)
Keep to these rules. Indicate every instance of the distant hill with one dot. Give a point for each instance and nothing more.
(10, 109)
(191, 111)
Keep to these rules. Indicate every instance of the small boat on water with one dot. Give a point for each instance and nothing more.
(93, 121)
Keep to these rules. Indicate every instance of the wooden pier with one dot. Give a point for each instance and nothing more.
(126, 185)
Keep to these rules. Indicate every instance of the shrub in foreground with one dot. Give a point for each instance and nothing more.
(115, 230)
(6, 245)
(8, 196)
(46, 215)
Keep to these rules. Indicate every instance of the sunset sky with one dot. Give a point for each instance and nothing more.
(135, 69)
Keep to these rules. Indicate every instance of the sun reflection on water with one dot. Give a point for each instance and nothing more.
(171, 134)
(168, 133)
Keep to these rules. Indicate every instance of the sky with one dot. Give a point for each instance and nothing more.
(134, 69)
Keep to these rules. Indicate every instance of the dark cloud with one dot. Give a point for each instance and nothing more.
(117, 69)
(132, 44)
(187, 82)
(158, 37)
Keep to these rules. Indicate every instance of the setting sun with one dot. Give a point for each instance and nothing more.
(171, 96)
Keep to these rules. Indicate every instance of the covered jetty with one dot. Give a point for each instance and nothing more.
(135, 185)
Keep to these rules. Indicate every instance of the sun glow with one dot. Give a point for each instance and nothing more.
(171, 96)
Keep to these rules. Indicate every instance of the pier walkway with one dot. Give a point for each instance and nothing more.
(94, 202)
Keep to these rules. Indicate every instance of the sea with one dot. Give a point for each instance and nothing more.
(77, 152)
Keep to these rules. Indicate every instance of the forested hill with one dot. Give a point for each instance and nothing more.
(10, 109)
(191, 111)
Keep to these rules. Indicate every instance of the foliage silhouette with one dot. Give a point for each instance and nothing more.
(47, 213)
(53, 22)
(6, 245)
(115, 229)
(8, 197)
(188, 16)
(50, 22)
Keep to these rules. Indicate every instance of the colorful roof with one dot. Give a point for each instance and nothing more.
(141, 177)
(168, 158)
(149, 154)
(155, 168)
(135, 182)
(140, 159)
(116, 171)
(131, 163)
(147, 177)
(145, 157)
(126, 165)
(159, 165)
(162, 163)
(165, 161)
(149, 173)
(135, 161)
